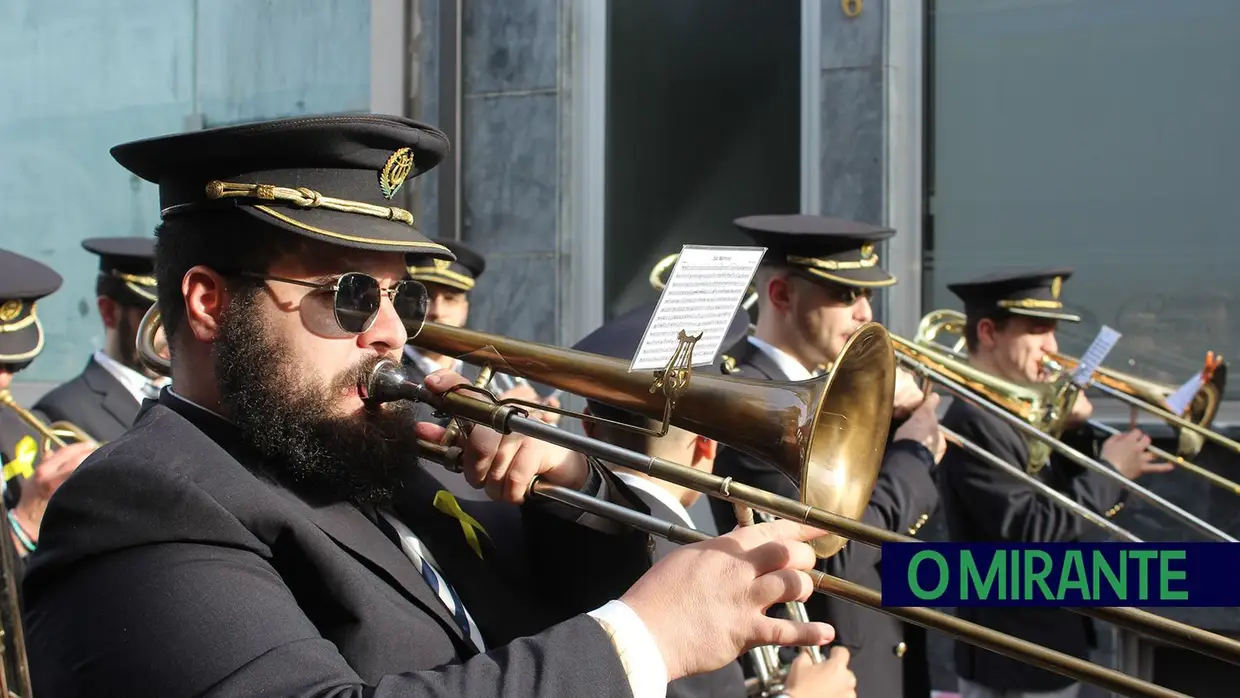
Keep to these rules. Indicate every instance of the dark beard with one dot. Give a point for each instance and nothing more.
(284, 413)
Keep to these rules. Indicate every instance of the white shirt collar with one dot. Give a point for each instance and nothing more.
(428, 367)
(638, 482)
(134, 382)
(790, 366)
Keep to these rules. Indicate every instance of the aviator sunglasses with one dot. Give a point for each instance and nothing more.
(356, 298)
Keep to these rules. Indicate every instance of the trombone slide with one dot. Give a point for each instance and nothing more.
(1021, 650)
(390, 382)
(1069, 452)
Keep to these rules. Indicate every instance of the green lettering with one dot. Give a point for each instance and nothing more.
(971, 578)
(1118, 584)
(1144, 584)
(1073, 576)
(1014, 580)
(1167, 574)
(944, 577)
(1038, 577)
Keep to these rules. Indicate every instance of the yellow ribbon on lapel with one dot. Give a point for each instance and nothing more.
(23, 459)
(446, 503)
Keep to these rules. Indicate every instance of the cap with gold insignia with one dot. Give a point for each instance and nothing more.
(126, 269)
(620, 338)
(329, 178)
(1032, 292)
(23, 282)
(821, 248)
(460, 274)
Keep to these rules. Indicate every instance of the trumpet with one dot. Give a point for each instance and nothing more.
(1193, 427)
(826, 434)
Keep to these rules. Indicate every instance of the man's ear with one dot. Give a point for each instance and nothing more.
(109, 311)
(705, 449)
(205, 299)
(986, 330)
(779, 292)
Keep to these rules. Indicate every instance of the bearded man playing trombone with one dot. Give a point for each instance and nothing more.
(1010, 325)
(267, 529)
(814, 287)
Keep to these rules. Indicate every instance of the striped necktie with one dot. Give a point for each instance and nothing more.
(412, 547)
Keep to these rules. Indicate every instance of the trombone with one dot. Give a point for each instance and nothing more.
(826, 434)
(1193, 426)
(1037, 411)
(951, 321)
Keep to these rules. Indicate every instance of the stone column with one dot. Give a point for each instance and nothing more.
(514, 145)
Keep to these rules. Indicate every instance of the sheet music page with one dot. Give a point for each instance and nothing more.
(1095, 355)
(702, 295)
(1179, 401)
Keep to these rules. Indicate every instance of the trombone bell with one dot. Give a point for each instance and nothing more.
(826, 435)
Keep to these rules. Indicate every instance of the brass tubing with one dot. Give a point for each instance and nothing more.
(972, 633)
(390, 382)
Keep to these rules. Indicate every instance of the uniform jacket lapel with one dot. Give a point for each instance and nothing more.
(353, 531)
(750, 356)
(115, 399)
(474, 576)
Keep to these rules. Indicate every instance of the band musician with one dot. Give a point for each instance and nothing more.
(104, 398)
(620, 339)
(1011, 318)
(267, 529)
(449, 285)
(814, 286)
(31, 473)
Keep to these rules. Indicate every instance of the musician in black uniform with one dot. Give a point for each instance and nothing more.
(104, 398)
(31, 475)
(814, 286)
(620, 339)
(1011, 321)
(266, 529)
(449, 285)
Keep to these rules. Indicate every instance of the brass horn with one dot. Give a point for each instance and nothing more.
(1039, 412)
(1193, 427)
(1147, 394)
(56, 435)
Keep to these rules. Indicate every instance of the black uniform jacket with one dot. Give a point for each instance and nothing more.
(172, 563)
(886, 654)
(93, 400)
(982, 504)
(728, 682)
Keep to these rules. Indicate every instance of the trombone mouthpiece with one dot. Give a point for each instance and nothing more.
(387, 382)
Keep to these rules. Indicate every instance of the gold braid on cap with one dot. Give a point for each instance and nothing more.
(441, 272)
(865, 262)
(1031, 303)
(302, 197)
